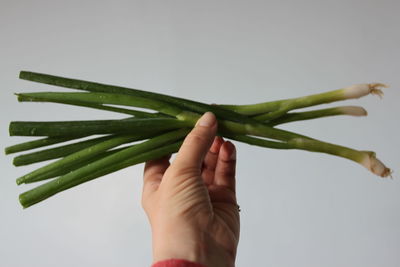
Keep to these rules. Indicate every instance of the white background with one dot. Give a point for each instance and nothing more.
(298, 208)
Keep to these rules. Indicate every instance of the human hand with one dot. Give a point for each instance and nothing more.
(191, 203)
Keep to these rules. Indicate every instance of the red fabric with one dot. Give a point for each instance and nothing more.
(176, 263)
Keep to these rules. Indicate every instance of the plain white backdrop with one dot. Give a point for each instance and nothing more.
(298, 208)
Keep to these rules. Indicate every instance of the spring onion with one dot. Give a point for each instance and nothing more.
(100, 147)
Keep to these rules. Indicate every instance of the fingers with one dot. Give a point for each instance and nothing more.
(210, 161)
(226, 166)
(196, 144)
(153, 173)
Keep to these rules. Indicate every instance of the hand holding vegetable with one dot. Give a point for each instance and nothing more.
(191, 203)
(160, 133)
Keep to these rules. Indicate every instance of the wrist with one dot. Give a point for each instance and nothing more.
(181, 245)
(176, 263)
(200, 249)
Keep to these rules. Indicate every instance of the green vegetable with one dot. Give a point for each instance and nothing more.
(161, 132)
(67, 128)
(57, 152)
(38, 143)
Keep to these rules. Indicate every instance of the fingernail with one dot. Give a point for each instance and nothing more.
(207, 120)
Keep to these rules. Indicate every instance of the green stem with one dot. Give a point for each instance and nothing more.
(58, 152)
(142, 152)
(32, 97)
(312, 146)
(252, 128)
(272, 109)
(79, 164)
(320, 113)
(332, 149)
(258, 141)
(228, 119)
(38, 143)
(267, 117)
(47, 141)
(97, 100)
(71, 159)
(365, 158)
(182, 103)
(65, 150)
(67, 128)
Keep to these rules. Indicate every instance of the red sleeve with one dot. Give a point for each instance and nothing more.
(176, 263)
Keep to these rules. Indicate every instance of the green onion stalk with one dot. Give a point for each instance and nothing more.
(99, 147)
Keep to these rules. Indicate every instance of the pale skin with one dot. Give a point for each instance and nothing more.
(191, 202)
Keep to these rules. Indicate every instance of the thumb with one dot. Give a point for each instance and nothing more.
(196, 144)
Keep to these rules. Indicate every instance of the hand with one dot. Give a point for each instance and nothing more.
(191, 203)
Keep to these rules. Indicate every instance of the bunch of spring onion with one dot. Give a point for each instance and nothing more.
(98, 147)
